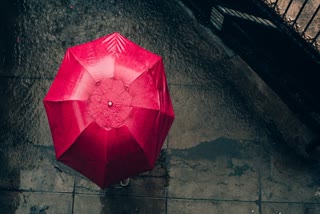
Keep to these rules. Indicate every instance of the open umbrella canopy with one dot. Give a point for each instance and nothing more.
(109, 109)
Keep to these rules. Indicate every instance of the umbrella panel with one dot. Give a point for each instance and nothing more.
(107, 157)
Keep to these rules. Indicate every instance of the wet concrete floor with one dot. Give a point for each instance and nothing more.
(222, 154)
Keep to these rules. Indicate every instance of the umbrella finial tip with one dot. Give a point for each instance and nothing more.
(110, 103)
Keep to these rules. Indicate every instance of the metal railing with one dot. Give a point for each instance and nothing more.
(299, 17)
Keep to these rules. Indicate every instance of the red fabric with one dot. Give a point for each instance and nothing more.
(109, 109)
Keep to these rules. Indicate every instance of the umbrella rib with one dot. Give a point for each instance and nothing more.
(147, 69)
(76, 58)
(57, 101)
(77, 137)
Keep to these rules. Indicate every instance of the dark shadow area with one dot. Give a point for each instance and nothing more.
(131, 205)
(283, 64)
(144, 193)
(211, 150)
(291, 73)
(201, 9)
(9, 201)
(9, 178)
(8, 14)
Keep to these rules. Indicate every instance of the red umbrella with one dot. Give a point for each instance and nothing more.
(109, 109)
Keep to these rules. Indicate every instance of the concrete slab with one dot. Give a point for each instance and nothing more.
(28, 158)
(40, 202)
(214, 145)
(219, 169)
(40, 173)
(207, 207)
(206, 114)
(139, 186)
(26, 122)
(46, 178)
(105, 204)
(288, 178)
(282, 208)
(190, 62)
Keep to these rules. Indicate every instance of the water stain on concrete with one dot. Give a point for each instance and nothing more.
(222, 147)
(131, 205)
(240, 170)
(210, 150)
